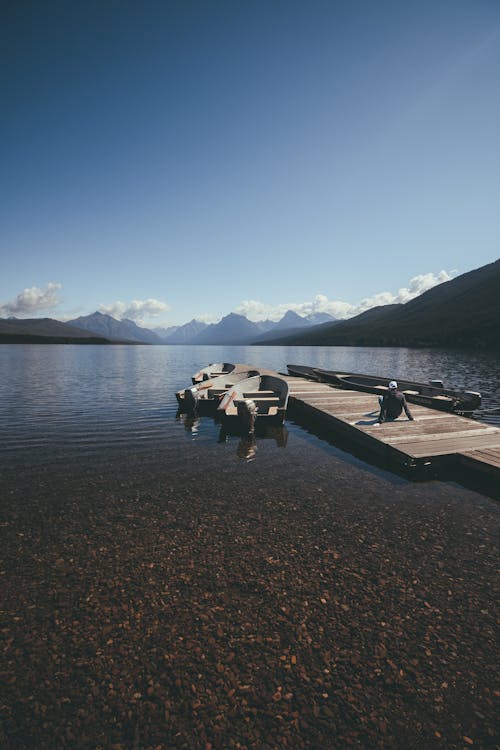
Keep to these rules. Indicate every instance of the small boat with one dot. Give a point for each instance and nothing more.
(302, 371)
(259, 397)
(207, 392)
(216, 369)
(433, 395)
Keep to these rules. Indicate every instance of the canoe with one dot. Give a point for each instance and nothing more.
(433, 394)
(258, 397)
(207, 392)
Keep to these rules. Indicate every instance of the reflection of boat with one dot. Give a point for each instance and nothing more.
(261, 396)
(190, 420)
(433, 395)
(247, 448)
(264, 430)
(247, 445)
(208, 391)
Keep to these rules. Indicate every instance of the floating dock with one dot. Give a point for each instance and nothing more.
(435, 438)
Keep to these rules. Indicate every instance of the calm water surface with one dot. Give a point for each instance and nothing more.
(113, 407)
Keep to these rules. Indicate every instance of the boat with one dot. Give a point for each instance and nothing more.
(216, 369)
(207, 392)
(303, 371)
(259, 397)
(433, 394)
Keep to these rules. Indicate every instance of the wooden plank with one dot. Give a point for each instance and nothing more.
(447, 436)
(256, 398)
(448, 447)
(482, 463)
(488, 456)
(493, 452)
(327, 392)
(432, 422)
(352, 414)
(355, 408)
(437, 427)
(305, 395)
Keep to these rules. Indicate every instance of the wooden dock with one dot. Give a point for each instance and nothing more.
(435, 438)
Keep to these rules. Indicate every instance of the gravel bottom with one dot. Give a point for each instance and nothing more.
(306, 603)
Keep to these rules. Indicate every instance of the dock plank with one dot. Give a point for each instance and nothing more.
(444, 436)
(449, 446)
(491, 454)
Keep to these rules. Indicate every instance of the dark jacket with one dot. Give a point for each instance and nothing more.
(393, 403)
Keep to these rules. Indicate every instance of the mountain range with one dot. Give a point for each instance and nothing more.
(47, 331)
(463, 312)
(101, 328)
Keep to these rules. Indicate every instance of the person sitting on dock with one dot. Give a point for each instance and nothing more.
(392, 404)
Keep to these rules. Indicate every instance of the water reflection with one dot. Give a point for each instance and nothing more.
(247, 448)
(190, 420)
(263, 431)
(248, 441)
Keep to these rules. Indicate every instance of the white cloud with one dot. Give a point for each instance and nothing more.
(32, 300)
(209, 318)
(138, 310)
(423, 282)
(256, 311)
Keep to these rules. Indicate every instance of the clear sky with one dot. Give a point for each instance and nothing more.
(192, 158)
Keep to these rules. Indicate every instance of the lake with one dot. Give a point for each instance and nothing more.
(163, 586)
(64, 407)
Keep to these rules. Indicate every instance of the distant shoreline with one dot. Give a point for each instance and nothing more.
(476, 346)
(31, 339)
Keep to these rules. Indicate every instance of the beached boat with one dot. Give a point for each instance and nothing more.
(207, 392)
(433, 394)
(258, 397)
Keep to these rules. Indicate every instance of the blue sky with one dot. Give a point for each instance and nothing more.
(171, 160)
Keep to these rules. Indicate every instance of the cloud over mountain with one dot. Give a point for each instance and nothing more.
(32, 300)
(137, 310)
(256, 310)
(461, 312)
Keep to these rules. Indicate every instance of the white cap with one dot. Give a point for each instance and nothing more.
(393, 384)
